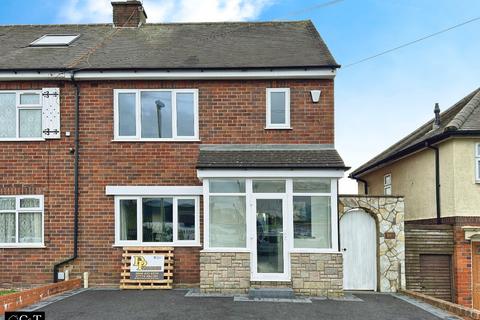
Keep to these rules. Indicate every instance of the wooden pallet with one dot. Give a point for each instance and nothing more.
(166, 283)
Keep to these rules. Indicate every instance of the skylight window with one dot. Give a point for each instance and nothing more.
(55, 40)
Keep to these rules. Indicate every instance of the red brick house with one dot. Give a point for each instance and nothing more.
(138, 134)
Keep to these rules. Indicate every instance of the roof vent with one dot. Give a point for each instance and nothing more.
(436, 122)
(49, 40)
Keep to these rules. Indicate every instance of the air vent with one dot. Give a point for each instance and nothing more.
(49, 40)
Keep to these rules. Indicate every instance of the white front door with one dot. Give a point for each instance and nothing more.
(358, 239)
(269, 254)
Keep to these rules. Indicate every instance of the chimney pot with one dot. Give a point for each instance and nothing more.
(128, 14)
(436, 122)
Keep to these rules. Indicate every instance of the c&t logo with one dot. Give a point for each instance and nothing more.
(23, 315)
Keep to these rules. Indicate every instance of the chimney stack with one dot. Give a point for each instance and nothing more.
(128, 14)
(436, 122)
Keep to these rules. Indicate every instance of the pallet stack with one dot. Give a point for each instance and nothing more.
(166, 283)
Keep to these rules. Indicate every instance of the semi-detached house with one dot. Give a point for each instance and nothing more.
(214, 138)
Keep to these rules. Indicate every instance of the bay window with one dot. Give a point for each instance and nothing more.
(156, 115)
(21, 221)
(156, 220)
(20, 115)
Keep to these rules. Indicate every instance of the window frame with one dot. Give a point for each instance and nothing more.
(206, 216)
(18, 107)
(288, 216)
(387, 186)
(139, 241)
(269, 124)
(17, 211)
(477, 162)
(138, 116)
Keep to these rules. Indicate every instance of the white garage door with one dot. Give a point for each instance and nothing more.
(358, 238)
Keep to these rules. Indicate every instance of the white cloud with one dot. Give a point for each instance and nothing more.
(90, 11)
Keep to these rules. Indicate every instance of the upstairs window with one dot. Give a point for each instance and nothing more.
(387, 184)
(49, 40)
(278, 108)
(477, 162)
(20, 115)
(156, 115)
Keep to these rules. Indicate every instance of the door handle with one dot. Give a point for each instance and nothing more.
(344, 249)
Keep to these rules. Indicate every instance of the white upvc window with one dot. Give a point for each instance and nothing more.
(156, 115)
(278, 108)
(157, 221)
(477, 162)
(387, 184)
(21, 115)
(21, 221)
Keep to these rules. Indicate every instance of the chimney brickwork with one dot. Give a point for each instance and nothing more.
(128, 14)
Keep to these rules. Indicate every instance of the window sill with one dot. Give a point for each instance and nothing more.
(119, 245)
(22, 246)
(278, 128)
(307, 250)
(219, 250)
(156, 140)
(21, 139)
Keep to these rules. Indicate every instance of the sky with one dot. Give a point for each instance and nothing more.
(376, 102)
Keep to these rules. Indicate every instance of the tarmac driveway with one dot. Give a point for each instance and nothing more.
(172, 304)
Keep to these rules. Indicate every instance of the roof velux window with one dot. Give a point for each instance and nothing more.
(55, 40)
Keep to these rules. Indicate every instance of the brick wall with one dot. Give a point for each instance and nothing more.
(15, 301)
(462, 264)
(229, 112)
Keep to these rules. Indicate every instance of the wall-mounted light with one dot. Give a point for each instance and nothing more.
(315, 95)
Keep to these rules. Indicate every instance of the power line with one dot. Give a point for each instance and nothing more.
(411, 42)
(308, 9)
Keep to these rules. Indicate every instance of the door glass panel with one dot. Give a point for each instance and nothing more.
(269, 236)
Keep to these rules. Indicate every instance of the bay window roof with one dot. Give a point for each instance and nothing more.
(275, 156)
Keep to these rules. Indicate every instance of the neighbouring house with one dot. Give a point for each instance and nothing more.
(216, 139)
(437, 169)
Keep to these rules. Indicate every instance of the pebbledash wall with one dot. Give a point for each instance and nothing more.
(230, 111)
(312, 274)
(388, 212)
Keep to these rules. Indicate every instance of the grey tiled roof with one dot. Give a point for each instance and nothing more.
(168, 46)
(278, 157)
(462, 118)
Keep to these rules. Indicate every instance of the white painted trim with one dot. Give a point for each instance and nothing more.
(269, 124)
(154, 190)
(139, 241)
(272, 173)
(138, 118)
(320, 73)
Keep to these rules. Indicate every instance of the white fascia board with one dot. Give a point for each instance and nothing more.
(322, 73)
(254, 173)
(154, 190)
